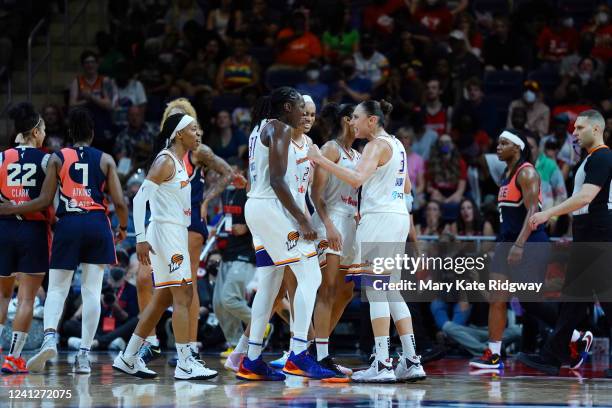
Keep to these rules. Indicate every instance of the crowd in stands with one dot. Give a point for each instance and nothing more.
(458, 72)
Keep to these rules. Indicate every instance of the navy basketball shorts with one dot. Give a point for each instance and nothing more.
(24, 247)
(197, 224)
(83, 238)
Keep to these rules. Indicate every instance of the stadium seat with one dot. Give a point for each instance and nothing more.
(228, 102)
(283, 77)
(508, 83)
(263, 55)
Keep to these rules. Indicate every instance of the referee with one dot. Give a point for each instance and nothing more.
(588, 269)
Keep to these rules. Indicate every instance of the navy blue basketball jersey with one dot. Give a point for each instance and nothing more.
(196, 177)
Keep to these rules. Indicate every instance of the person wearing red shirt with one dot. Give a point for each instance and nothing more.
(378, 16)
(602, 28)
(437, 115)
(435, 16)
(296, 45)
(557, 40)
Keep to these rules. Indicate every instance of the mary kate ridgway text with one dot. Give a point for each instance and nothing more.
(458, 285)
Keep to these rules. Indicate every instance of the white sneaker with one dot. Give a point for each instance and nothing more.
(233, 361)
(344, 370)
(74, 343)
(137, 368)
(48, 350)
(410, 369)
(118, 344)
(193, 370)
(377, 373)
(81, 364)
(280, 362)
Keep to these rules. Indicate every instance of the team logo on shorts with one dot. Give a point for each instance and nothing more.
(323, 245)
(292, 239)
(184, 184)
(175, 262)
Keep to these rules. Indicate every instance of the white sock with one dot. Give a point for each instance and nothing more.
(133, 347)
(17, 343)
(193, 345)
(299, 345)
(51, 336)
(408, 345)
(254, 350)
(153, 340)
(184, 352)
(243, 345)
(322, 348)
(382, 348)
(575, 335)
(495, 347)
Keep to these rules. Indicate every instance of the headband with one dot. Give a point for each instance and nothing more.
(20, 139)
(513, 138)
(307, 99)
(185, 120)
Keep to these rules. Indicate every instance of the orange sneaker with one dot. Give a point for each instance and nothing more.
(14, 365)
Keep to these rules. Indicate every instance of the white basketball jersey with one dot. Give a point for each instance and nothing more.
(172, 201)
(340, 196)
(384, 191)
(299, 171)
(259, 164)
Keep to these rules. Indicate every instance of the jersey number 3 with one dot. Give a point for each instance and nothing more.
(21, 175)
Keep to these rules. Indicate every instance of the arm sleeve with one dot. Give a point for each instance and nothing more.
(597, 169)
(146, 191)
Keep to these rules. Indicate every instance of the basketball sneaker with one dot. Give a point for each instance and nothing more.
(47, 351)
(257, 370)
(136, 368)
(233, 361)
(378, 372)
(81, 364)
(193, 370)
(148, 352)
(304, 365)
(409, 369)
(226, 353)
(487, 360)
(14, 365)
(280, 362)
(329, 364)
(579, 350)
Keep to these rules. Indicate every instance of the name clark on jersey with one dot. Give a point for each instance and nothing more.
(20, 193)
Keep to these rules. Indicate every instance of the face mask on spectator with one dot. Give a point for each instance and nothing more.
(602, 17)
(585, 77)
(529, 96)
(446, 148)
(568, 22)
(312, 74)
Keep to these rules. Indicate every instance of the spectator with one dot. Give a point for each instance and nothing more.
(55, 128)
(378, 16)
(241, 116)
(225, 20)
(118, 317)
(552, 182)
(538, 114)
(109, 55)
(569, 64)
(201, 74)
(370, 63)
(262, 23)
(479, 106)
(567, 156)
(239, 70)
(442, 72)
(438, 116)
(99, 95)
(470, 221)
(464, 65)
(433, 223)
(155, 78)
(405, 55)
(591, 87)
(402, 92)
(135, 142)
(339, 39)
(296, 45)
(446, 176)
(130, 92)
(557, 39)
(226, 140)
(416, 167)
(181, 12)
(502, 50)
(473, 38)
(424, 138)
(469, 139)
(434, 15)
(573, 103)
(313, 86)
(352, 88)
(601, 26)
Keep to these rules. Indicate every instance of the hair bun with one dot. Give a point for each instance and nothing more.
(386, 107)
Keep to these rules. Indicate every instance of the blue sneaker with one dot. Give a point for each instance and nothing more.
(149, 352)
(257, 370)
(280, 362)
(304, 365)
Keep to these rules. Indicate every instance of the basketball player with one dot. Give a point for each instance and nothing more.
(591, 207)
(24, 247)
(82, 235)
(336, 205)
(382, 171)
(198, 232)
(287, 243)
(519, 197)
(168, 191)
